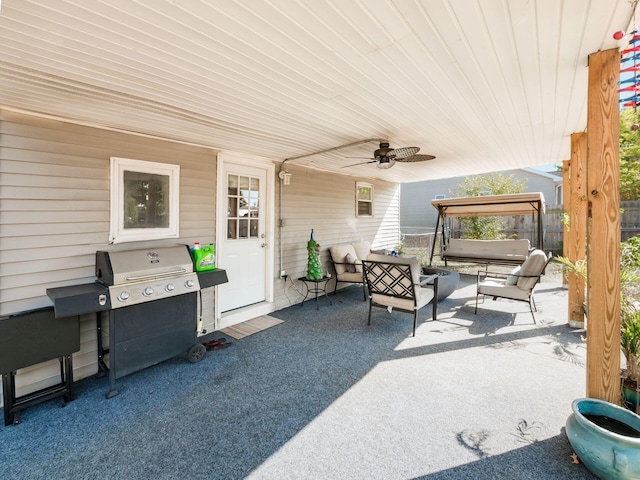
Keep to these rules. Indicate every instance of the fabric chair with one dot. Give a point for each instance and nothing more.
(347, 263)
(395, 282)
(518, 285)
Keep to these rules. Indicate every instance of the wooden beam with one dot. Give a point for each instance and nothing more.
(566, 202)
(577, 236)
(603, 226)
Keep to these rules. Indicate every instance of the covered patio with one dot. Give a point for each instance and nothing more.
(300, 87)
(323, 395)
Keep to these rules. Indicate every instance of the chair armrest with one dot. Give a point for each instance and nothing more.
(427, 279)
(485, 274)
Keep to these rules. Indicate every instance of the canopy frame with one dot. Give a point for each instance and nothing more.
(489, 205)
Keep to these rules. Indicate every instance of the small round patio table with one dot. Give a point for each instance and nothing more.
(317, 287)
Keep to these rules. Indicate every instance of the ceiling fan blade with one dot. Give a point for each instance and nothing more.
(415, 158)
(400, 153)
(363, 158)
(361, 163)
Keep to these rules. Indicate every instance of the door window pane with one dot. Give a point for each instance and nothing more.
(243, 204)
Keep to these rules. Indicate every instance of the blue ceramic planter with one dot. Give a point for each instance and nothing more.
(608, 455)
(631, 398)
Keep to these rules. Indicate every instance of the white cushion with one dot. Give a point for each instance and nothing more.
(350, 277)
(338, 253)
(497, 288)
(512, 279)
(533, 265)
(362, 248)
(424, 296)
(489, 247)
(511, 250)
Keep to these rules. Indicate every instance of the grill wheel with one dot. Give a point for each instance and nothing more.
(196, 353)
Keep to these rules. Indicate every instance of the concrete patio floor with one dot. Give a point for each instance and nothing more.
(323, 395)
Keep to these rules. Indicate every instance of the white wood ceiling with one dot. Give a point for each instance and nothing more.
(484, 85)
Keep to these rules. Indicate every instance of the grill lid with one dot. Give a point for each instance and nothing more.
(131, 266)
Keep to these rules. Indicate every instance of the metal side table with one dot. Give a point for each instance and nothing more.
(317, 287)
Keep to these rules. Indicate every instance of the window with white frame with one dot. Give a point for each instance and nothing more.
(364, 200)
(144, 200)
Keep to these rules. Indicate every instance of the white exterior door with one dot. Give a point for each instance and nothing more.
(243, 240)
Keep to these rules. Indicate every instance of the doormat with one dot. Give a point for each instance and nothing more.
(244, 329)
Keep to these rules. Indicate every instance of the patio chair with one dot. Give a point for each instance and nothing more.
(347, 260)
(395, 282)
(517, 285)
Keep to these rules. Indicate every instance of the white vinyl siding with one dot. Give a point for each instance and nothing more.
(54, 215)
(325, 202)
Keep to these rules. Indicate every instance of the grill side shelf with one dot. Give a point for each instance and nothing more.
(79, 299)
(212, 278)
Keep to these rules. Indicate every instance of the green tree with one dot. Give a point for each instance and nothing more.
(629, 155)
(486, 228)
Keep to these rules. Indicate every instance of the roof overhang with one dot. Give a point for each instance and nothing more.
(484, 85)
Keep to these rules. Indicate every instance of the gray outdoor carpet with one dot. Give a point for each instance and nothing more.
(324, 396)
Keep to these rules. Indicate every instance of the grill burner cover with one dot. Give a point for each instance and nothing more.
(139, 276)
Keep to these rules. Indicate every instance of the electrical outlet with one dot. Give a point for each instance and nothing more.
(283, 274)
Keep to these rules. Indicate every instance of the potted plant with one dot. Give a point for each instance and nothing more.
(630, 344)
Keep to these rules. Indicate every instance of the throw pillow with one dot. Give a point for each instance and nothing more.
(350, 263)
(512, 279)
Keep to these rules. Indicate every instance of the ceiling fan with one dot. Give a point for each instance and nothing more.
(386, 157)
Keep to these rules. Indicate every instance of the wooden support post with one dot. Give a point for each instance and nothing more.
(577, 235)
(566, 202)
(603, 226)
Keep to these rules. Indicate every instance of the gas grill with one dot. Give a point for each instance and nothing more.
(151, 297)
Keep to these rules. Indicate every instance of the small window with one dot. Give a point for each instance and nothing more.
(364, 200)
(144, 200)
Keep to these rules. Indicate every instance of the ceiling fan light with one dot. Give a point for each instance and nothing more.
(383, 165)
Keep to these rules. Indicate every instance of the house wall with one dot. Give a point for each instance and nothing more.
(417, 215)
(326, 203)
(54, 215)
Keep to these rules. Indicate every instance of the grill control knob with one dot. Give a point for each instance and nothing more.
(147, 291)
(124, 296)
(170, 287)
(188, 283)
